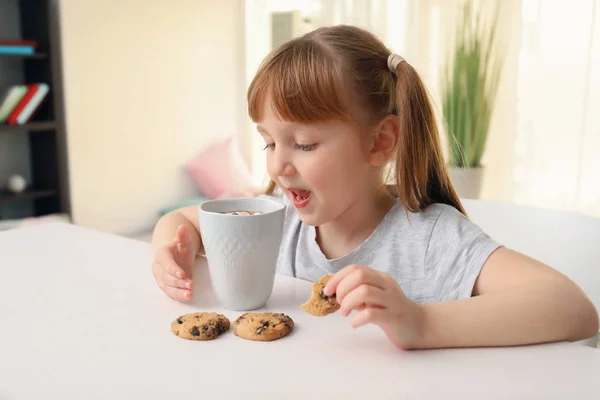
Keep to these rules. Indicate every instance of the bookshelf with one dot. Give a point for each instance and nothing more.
(36, 149)
(7, 197)
(34, 126)
(37, 56)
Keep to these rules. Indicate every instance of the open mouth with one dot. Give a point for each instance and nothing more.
(300, 197)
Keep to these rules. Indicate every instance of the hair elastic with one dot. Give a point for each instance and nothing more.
(393, 60)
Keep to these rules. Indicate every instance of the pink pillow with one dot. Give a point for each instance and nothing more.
(219, 168)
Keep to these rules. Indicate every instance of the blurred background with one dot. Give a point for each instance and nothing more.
(146, 108)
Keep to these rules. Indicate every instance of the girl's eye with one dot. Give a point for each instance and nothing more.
(270, 146)
(306, 147)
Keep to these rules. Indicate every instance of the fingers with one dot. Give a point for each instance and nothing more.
(363, 296)
(165, 258)
(170, 280)
(367, 316)
(183, 239)
(183, 250)
(175, 293)
(352, 277)
(169, 266)
(175, 288)
(331, 286)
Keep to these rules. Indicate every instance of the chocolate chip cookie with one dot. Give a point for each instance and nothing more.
(319, 304)
(200, 326)
(265, 326)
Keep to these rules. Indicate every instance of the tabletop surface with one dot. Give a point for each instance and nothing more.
(82, 318)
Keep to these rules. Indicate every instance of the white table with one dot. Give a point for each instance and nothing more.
(81, 318)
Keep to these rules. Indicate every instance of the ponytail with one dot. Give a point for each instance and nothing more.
(421, 174)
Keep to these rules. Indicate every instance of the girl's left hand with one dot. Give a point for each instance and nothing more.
(377, 298)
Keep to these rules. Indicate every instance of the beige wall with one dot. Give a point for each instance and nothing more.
(147, 84)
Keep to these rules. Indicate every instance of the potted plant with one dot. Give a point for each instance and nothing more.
(469, 87)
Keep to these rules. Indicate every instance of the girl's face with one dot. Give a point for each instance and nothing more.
(323, 167)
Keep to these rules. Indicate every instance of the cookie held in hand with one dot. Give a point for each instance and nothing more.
(319, 304)
(200, 326)
(265, 326)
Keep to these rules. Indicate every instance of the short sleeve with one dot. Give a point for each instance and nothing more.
(456, 253)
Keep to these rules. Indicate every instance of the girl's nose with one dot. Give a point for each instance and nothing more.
(281, 165)
(287, 170)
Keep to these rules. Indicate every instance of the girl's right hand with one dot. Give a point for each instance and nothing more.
(173, 265)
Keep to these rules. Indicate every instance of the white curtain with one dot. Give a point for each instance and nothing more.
(557, 143)
(544, 143)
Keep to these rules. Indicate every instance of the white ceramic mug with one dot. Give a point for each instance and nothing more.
(242, 250)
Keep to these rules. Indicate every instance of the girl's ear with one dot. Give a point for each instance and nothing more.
(385, 140)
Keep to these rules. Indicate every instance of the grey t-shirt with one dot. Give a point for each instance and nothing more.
(434, 255)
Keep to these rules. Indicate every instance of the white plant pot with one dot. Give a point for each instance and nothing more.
(467, 181)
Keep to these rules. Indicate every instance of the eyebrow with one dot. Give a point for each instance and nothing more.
(286, 130)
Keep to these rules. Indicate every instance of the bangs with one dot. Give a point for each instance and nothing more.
(302, 83)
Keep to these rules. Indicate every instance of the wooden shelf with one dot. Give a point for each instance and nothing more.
(37, 149)
(29, 194)
(36, 56)
(29, 127)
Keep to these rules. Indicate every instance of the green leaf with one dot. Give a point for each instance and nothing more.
(469, 87)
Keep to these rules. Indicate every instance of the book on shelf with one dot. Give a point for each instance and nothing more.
(18, 42)
(13, 96)
(18, 46)
(21, 102)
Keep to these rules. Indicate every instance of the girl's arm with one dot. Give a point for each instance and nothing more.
(517, 300)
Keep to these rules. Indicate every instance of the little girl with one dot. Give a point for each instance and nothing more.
(335, 107)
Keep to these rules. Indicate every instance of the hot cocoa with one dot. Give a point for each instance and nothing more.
(242, 212)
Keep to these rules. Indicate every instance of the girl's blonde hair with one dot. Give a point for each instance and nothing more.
(341, 72)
